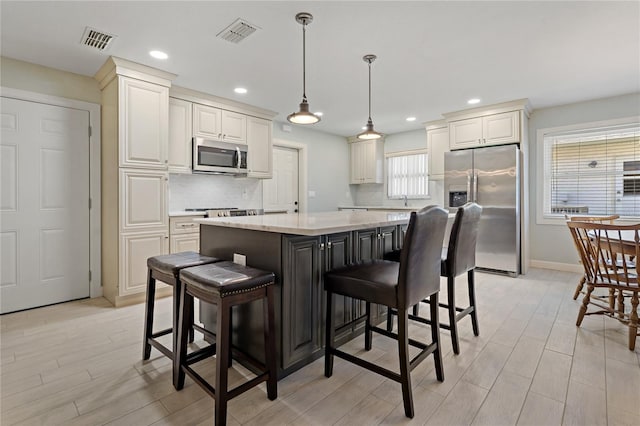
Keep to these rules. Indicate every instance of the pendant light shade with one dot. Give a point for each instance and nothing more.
(369, 132)
(304, 116)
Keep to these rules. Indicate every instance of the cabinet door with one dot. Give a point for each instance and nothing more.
(260, 148)
(387, 240)
(302, 299)
(357, 162)
(207, 122)
(337, 254)
(365, 244)
(437, 145)
(143, 200)
(143, 127)
(180, 129)
(135, 248)
(368, 153)
(234, 127)
(185, 242)
(465, 133)
(501, 128)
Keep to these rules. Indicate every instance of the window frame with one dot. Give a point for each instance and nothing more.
(542, 188)
(388, 155)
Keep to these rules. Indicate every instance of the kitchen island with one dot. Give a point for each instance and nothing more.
(299, 248)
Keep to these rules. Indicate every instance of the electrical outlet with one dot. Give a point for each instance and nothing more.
(240, 259)
(312, 194)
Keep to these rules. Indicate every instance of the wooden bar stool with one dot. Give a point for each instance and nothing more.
(166, 268)
(226, 284)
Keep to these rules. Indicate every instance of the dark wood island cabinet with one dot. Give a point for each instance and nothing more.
(299, 249)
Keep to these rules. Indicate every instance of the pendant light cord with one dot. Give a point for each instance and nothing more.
(369, 91)
(304, 61)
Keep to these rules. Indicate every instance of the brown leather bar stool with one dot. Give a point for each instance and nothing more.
(399, 286)
(458, 257)
(166, 268)
(226, 284)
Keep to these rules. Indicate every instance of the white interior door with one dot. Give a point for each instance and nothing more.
(280, 193)
(44, 204)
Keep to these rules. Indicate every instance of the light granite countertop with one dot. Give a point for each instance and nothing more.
(180, 213)
(311, 223)
(388, 208)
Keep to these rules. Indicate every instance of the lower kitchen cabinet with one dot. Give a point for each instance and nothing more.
(135, 249)
(302, 299)
(184, 234)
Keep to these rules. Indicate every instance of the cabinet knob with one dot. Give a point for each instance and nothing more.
(329, 244)
(321, 246)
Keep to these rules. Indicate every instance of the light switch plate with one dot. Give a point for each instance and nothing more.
(240, 259)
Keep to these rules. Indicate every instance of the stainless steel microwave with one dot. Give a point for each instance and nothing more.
(210, 156)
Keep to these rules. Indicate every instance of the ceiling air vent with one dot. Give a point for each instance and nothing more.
(237, 31)
(96, 39)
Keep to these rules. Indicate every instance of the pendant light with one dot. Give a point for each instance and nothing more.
(369, 133)
(303, 116)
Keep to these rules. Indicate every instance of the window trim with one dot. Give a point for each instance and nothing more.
(388, 155)
(541, 189)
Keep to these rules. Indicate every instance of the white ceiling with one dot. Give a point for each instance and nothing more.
(432, 56)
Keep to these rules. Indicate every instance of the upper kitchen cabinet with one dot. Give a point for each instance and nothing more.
(260, 148)
(494, 125)
(220, 119)
(437, 145)
(367, 161)
(495, 129)
(135, 102)
(219, 124)
(180, 133)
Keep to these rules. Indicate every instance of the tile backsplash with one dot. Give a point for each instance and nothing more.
(375, 195)
(206, 191)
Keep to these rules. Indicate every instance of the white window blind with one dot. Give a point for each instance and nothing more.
(407, 175)
(593, 171)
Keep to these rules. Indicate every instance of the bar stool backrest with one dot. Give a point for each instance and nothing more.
(419, 275)
(461, 251)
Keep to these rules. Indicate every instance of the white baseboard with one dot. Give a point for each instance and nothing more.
(565, 267)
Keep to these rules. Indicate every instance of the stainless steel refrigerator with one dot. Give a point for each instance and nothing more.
(491, 177)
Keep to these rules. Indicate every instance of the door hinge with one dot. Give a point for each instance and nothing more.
(90, 132)
(89, 275)
(90, 204)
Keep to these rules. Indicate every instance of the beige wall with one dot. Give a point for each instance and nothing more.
(49, 81)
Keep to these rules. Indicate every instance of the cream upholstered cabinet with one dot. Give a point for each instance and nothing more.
(134, 160)
(493, 129)
(219, 124)
(180, 134)
(367, 161)
(184, 234)
(437, 145)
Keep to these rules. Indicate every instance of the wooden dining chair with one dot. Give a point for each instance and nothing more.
(608, 253)
(594, 219)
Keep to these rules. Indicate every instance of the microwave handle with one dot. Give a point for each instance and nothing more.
(238, 157)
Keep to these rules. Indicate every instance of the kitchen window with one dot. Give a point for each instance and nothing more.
(407, 175)
(592, 170)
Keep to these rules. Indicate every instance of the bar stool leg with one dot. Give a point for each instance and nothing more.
(435, 335)
(453, 324)
(222, 362)
(403, 352)
(329, 336)
(472, 301)
(148, 316)
(368, 334)
(270, 344)
(186, 305)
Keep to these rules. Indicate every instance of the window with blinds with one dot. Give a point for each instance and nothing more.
(407, 175)
(593, 171)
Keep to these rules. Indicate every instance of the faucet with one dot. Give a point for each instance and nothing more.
(404, 197)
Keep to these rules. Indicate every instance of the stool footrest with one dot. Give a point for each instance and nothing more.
(201, 354)
(159, 346)
(161, 333)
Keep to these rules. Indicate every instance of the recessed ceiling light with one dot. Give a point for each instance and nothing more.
(158, 54)
(240, 90)
(411, 119)
(473, 101)
(319, 113)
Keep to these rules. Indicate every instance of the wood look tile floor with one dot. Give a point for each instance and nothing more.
(79, 363)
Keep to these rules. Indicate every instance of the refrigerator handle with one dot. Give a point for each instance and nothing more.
(475, 187)
(469, 187)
